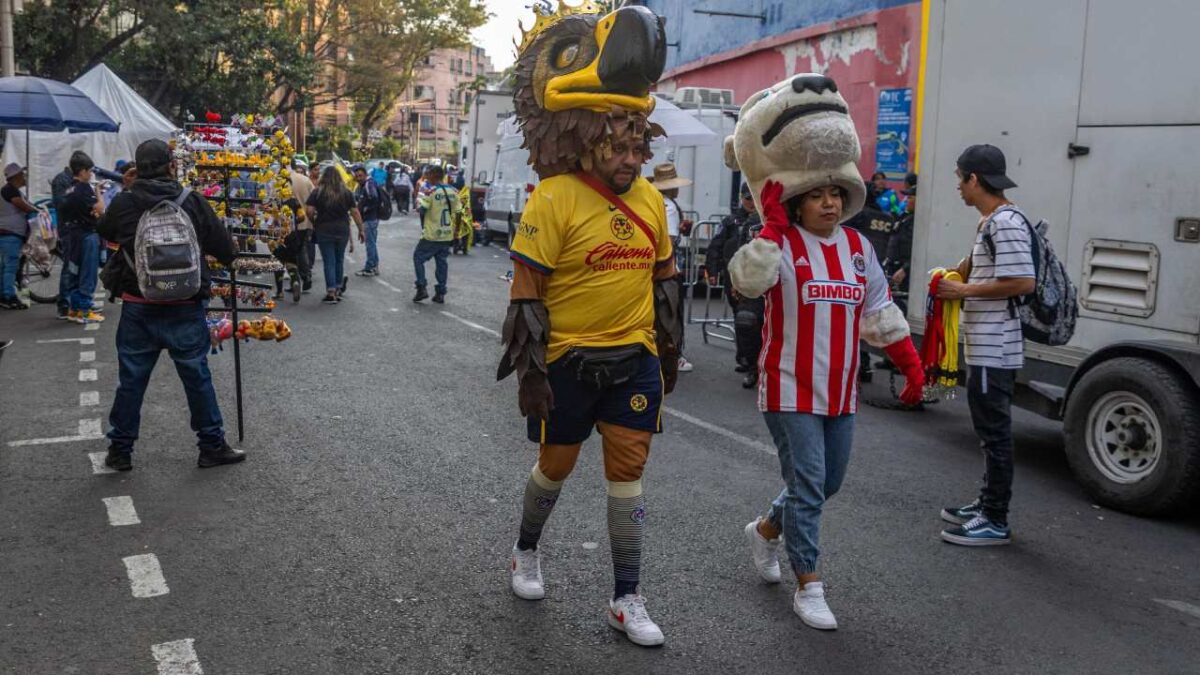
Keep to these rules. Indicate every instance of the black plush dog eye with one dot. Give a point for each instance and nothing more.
(566, 55)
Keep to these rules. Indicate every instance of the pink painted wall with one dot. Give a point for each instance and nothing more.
(860, 74)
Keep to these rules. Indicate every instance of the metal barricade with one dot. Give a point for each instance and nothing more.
(717, 327)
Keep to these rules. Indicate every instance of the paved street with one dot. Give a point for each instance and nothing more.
(369, 530)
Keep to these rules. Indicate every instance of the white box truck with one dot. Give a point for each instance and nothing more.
(1096, 104)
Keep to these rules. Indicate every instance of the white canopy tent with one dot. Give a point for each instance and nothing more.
(49, 152)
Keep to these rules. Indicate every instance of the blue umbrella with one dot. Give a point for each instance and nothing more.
(35, 104)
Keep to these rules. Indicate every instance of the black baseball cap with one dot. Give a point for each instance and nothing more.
(152, 158)
(746, 191)
(987, 162)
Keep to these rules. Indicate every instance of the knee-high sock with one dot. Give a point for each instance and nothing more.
(541, 493)
(626, 516)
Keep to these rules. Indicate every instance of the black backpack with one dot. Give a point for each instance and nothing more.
(383, 203)
(1048, 314)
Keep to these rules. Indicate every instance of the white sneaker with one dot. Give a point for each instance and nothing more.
(526, 570)
(685, 366)
(628, 615)
(765, 552)
(810, 606)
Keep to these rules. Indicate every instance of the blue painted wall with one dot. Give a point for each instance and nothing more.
(701, 35)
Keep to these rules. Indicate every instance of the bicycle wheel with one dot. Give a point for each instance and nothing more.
(40, 280)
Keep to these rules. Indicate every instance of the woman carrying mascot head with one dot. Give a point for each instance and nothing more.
(824, 290)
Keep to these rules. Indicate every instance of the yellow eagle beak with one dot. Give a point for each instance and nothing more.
(632, 54)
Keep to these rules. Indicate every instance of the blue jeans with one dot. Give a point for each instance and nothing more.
(333, 259)
(68, 278)
(813, 453)
(440, 252)
(88, 258)
(144, 331)
(10, 259)
(372, 228)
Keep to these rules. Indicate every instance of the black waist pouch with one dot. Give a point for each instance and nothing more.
(604, 367)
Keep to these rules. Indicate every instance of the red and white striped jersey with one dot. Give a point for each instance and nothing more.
(809, 358)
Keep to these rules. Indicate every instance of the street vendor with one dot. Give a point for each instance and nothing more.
(593, 327)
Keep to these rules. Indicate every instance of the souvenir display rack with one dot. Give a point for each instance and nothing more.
(231, 166)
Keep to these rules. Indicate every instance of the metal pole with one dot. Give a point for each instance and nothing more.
(474, 142)
(237, 352)
(8, 62)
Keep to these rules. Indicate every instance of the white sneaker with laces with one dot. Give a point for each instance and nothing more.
(685, 366)
(526, 571)
(810, 606)
(765, 552)
(628, 615)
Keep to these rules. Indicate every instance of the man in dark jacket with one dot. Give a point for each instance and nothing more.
(899, 248)
(179, 327)
(736, 231)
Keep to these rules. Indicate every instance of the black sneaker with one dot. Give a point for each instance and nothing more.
(422, 294)
(330, 299)
(222, 455)
(345, 281)
(751, 380)
(439, 298)
(118, 461)
(959, 515)
(979, 531)
(307, 286)
(365, 273)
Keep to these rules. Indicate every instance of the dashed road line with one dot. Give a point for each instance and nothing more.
(1179, 605)
(721, 431)
(145, 576)
(89, 430)
(82, 341)
(389, 286)
(88, 375)
(87, 357)
(92, 326)
(121, 511)
(97, 459)
(472, 324)
(87, 398)
(177, 658)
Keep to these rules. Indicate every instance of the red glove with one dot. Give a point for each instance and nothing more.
(774, 216)
(904, 355)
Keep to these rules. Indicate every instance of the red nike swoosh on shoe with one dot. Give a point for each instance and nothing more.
(619, 617)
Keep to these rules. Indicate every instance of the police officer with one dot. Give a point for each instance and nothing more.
(737, 229)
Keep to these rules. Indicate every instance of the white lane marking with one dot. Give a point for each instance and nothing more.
(87, 375)
(1185, 607)
(386, 284)
(98, 462)
(99, 302)
(92, 326)
(90, 428)
(82, 341)
(87, 357)
(472, 324)
(121, 511)
(722, 431)
(177, 658)
(87, 398)
(145, 576)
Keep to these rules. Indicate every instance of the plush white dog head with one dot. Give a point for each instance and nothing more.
(798, 133)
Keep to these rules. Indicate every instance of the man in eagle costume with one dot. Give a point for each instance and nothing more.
(593, 327)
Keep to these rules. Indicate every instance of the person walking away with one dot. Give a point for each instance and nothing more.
(330, 207)
(302, 188)
(668, 182)
(67, 279)
(899, 246)
(464, 235)
(379, 176)
(439, 216)
(367, 197)
(738, 229)
(148, 327)
(14, 230)
(402, 188)
(82, 209)
(999, 270)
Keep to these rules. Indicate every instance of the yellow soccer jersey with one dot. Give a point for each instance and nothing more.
(599, 263)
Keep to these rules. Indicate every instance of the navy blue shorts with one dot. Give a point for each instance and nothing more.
(577, 407)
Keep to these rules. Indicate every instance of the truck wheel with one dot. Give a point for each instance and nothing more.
(1131, 429)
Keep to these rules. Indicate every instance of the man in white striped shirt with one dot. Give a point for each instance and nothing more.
(999, 270)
